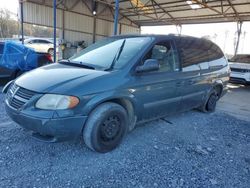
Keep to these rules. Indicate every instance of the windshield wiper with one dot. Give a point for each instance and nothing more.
(117, 56)
(76, 63)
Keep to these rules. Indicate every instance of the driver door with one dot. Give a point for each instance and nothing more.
(156, 91)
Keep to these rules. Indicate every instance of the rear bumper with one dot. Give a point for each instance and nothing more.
(59, 128)
(239, 80)
(238, 77)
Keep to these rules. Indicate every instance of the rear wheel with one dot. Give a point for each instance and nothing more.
(211, 102)
(105, 127)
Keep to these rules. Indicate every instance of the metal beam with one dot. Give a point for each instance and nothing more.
(116, 16)
(239, 26)
(21, 11)
(196, 20)
(244, 16)
(85, 3)
(63, 24)
(94, 30)
(209, 7)
(110, 5)
(54, 14)
(176, 8)
(74, 5)
(166, 12)
(235, 11)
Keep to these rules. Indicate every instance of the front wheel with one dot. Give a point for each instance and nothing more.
(105, 127)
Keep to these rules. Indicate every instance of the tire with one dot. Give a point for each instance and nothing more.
(51, 51)
(106, 127)
(210, 104)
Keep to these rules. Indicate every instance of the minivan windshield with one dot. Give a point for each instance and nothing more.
(111, 53)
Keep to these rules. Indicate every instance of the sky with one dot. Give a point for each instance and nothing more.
(221, 33)
(11, 5)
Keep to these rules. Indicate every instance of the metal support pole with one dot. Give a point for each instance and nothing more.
(21, 11)
(63, 24)
(179, 29)
(120, 29)
(116, 16)
(54, 11)
(239, 26)
(94, 30)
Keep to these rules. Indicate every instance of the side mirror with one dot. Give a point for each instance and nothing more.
(149, 65)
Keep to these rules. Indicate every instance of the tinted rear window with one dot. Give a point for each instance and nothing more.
(241, 59)
(195, 51)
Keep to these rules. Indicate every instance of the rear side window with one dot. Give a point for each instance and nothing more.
(192, 51)
(214, 52)
(43, 42)
(198, 53)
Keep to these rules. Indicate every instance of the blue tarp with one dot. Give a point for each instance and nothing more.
(16, 56)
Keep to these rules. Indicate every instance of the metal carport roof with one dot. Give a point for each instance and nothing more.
(160, 12)
(165, 12)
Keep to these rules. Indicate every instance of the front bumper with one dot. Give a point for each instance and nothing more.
(59, 128)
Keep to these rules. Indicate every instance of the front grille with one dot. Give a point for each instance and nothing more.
(239, 70)
(18, 96)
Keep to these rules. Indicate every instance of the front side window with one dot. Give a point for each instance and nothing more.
(166, 56)
(111, 53)
(43, 42)
(34, 41)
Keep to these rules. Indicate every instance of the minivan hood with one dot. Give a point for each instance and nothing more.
(47, 78)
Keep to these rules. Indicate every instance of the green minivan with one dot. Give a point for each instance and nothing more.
(102, 92)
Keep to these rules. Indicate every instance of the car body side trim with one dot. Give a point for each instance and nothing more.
(162, 102)
(193, 94)
(171, 100)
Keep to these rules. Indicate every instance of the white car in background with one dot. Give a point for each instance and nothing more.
(40, 45)
(240, 68)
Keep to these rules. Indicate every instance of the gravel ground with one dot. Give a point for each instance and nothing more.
(191, 149)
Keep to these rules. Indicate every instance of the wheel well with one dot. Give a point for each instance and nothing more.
(219, 88)
(128, 106)
(125, 103)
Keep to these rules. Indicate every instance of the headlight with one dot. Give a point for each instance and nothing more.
(56, 102)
